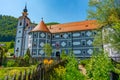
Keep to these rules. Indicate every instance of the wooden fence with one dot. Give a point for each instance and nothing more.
(42, 72)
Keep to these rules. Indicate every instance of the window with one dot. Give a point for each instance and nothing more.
(83, 52)
(94, 33)
(48, 35)
(26, 24)
(34, 44)
(61, 35)
(34, 52)
(18, 41)
(35, 40)
(35, 35)
(69, 35)
(20, 23)
(69, 43)
(53, 36)
(83, 34)
(19, 31)
(17, 49)
(83, 42)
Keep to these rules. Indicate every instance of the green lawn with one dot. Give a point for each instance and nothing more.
(12, 70)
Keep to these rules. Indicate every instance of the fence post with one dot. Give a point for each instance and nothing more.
(20, 76)
(29, 75)
(36, 75)
(39, 71)
(33, 74)
(14, 77)
(6, 78)
(24, 76)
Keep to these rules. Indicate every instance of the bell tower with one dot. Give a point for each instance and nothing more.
(23, 23)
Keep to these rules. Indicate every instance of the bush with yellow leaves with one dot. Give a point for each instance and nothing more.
(45, 61)
(58, 73)
(48, 62)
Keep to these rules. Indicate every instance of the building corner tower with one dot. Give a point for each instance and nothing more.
(20, 40)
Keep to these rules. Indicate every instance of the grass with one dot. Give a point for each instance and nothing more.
(13, 70)
(6, 43)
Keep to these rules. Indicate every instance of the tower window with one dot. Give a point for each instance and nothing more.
(20, 23)
(19, 31)
(26, 24)
(18, 41)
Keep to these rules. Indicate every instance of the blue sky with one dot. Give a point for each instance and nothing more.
(61, 11)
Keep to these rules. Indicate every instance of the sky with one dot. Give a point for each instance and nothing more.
(62, 11)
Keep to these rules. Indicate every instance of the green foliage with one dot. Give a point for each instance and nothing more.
(8, 26)
(106, 12)
(47, 49)
(11, 63)
(114, 37)
(69, 72)
(11, 51)
(84, 62)
(2, 53)
(98, 39)
(28, 52)
(11, 45)
(58, 73)
(27, 58)
(63, 54)
(72, 72)
(12, 70)
(52, 23)
(99, 67)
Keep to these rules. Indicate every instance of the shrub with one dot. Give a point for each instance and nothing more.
(99, 67)
(63, 54)
(11, 54)
(72, 72)
(84, 62)
(10, 63)
(26, 59)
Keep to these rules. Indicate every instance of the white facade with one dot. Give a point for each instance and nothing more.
(22, 34)
(108, 47)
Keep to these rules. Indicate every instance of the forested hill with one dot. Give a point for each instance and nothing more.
(8, 26)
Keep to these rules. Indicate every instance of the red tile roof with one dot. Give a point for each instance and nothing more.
(74, 26)
(67, 27)
(41, 27)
